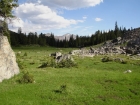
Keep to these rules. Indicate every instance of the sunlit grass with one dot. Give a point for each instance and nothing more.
(93, 82)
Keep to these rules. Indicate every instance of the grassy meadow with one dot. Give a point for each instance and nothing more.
(92, 82)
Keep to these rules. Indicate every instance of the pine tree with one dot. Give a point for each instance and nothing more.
(116, 30)
(71, 41)
(6, 7)
(19, 30)
(42, 40)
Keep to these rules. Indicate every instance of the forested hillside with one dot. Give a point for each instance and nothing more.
(80, 41)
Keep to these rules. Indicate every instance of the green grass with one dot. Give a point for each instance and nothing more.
(92, 83)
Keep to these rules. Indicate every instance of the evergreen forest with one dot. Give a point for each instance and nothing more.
(19, 38)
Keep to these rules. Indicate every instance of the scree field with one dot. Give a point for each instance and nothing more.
(91, 82)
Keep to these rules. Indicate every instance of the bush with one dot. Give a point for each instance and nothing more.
(25, 54)
(119, 60)
(62, 89)
(52, 63)
(66, 63)
(20, 64)
(43, 65)
(32, 63)
(26, 78)
(17, 55)
(124, 62)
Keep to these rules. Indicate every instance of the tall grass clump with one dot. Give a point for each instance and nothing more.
(25, 54)
(26, 78)
(62, 64)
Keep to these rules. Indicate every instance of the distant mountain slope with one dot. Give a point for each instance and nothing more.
(63, 37)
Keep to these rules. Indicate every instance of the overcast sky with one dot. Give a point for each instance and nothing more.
(82, 17)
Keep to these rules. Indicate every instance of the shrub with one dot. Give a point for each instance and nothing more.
(43, 65)
(25, 54)
(17, 55)
(32, 63)
(26, 78)
(124, 62)
(20, 64)
(119, 60)
(66, 63)
(52, 63)
(62, 89)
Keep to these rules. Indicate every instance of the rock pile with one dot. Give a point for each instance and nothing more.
(131, 37)
(83, 52)
(98, 51)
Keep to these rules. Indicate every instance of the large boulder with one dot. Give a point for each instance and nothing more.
(8, 65)
(64, 57)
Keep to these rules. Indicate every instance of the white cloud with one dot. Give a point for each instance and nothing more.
(39, 1)
(37, 17)
(41, 15)
(98, 19)
(69, 4)
(84, 17)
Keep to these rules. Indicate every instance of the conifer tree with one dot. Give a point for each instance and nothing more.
(6, 7)
(116, 30)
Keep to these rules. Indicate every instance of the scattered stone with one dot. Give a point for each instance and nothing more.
(127, 71)
(75, 52)
(138, 54)
(58, 54)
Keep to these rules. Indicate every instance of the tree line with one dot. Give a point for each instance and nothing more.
(16, 39)
(80, 41)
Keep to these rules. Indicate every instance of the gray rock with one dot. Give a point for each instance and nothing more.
(75, 52)
(56, 54)
(64, 57)
(127, 71)
(8, 65)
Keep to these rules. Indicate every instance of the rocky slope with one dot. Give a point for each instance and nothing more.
(128, 44)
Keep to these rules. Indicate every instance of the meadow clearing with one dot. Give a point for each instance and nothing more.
(92, 82)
